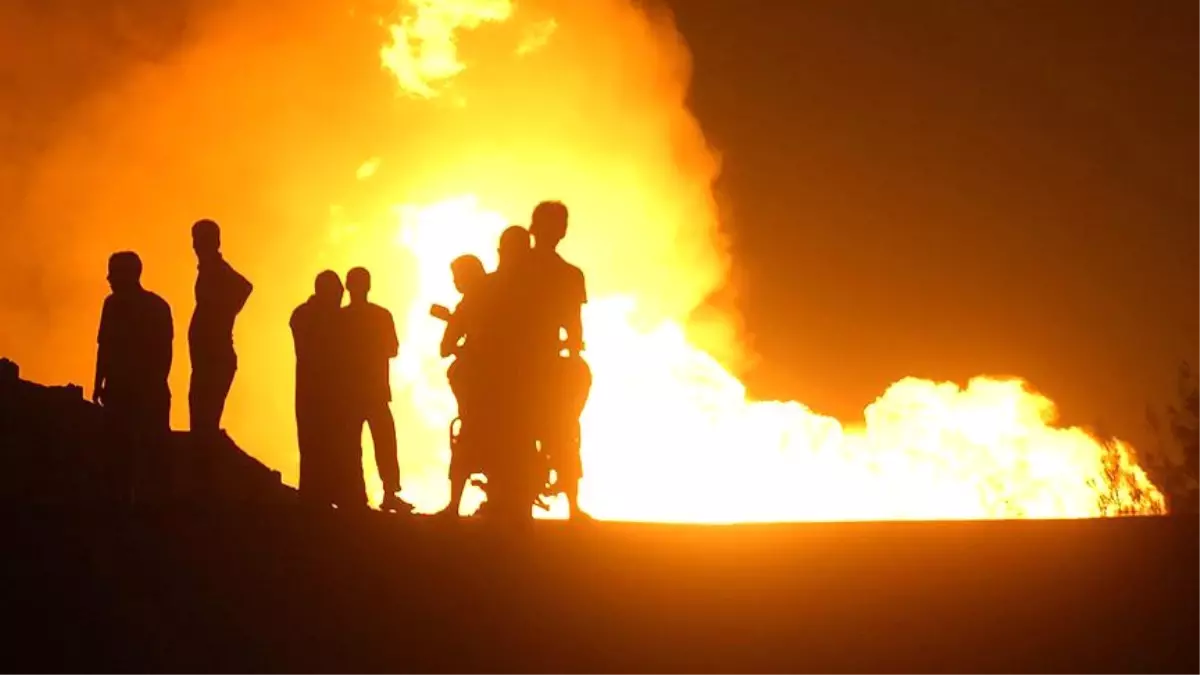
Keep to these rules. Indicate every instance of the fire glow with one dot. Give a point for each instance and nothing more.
(669, 434)
(323, 134)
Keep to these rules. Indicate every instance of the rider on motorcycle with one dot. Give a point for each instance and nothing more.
(461, 324)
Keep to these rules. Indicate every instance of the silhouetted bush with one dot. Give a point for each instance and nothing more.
(1173, 465)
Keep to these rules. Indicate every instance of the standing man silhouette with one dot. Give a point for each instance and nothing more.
(221, 293)
(133, 361)
(329, 471)
(558, 312)
(371, 344)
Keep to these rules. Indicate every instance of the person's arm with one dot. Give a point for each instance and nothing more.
(240, 288)
(168, 337)
(393, 342)
(101, 374)
(574, 319)
(455, 330)
(103, 356)
(297, 339)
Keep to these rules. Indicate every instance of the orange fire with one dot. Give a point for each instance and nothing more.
(322, 136)
(668, 434)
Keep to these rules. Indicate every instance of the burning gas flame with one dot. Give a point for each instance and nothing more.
(279, 121)
(422, 50)
(669, 434)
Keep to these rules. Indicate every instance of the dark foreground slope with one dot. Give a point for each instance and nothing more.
(275, 589)
(248, 582)
(54, 453)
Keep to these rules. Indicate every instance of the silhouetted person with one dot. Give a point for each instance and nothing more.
(558, 337)
(461, 338)
(221, 293)
(330, 464)
(371, 344)
(133, 361)
(515, 474)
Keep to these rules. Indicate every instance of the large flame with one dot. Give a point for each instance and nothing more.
(422, 49)
(277, 118)
(669, 435)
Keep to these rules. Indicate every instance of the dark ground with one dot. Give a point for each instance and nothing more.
(278, 590)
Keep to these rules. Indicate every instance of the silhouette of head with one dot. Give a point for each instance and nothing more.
(328, 288)
(548, 225)
(206, 238)
(468, 272)
(358, 283)
(514, 245)
(124, 272)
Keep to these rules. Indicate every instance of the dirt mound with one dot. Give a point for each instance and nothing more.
(53, 451)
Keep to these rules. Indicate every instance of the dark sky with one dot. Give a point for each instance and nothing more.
(948, 188)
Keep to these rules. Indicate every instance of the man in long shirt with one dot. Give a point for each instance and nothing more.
(133, 361)
(371, 344)
(330, 467)
(508, 358)
(221, 293)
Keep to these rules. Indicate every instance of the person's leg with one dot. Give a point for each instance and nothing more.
(335, 440)
(212, 378)
(506, 500)
(348, 487)
(567, 463)
(223, 374)
(197, 386)
(577, 381)
(383, 438)
(529, 470)
(571, 492)
(501, 489)
(458, 485)
(313, 475)
(309, 483)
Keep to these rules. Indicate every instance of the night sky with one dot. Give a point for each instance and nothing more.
(946, 188)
